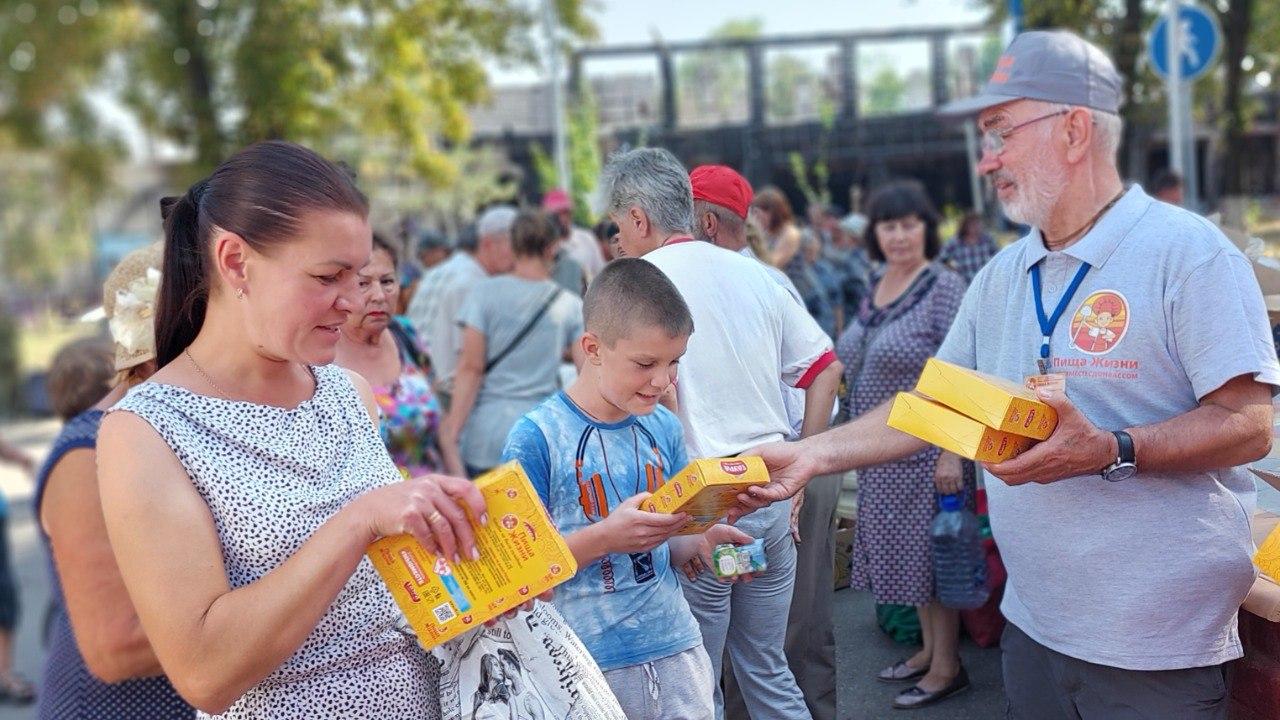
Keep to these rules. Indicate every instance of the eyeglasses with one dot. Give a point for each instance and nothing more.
(993, 139)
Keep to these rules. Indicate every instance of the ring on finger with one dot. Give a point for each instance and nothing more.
(434, 517)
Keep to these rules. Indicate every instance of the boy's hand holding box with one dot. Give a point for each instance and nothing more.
(972, 414)
(521, 556)
(706, 489)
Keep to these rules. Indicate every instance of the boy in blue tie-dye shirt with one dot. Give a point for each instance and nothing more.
(594, 452)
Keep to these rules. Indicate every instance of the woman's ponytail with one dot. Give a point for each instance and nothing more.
(184, 290)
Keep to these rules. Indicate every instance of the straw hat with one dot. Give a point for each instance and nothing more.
(129, 300)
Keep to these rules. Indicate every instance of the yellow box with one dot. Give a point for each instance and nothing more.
(949, 430)
(1267, 558)
(993, 401)
(521, 556)
(706, 489)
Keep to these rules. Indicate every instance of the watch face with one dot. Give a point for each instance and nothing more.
(1120, 472)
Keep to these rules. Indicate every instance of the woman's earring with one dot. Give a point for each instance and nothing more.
(239, 293)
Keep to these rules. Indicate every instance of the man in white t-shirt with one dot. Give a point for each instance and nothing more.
(750, 335)
(721, 200)
(444, 288)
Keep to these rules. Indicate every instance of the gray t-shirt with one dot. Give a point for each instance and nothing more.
(1145, 574)
(499, 307)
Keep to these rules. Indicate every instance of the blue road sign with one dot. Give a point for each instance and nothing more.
(1201, 41)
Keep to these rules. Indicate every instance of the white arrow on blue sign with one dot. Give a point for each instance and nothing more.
(1201, 40)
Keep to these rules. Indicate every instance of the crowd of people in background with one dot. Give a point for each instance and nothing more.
(458, 338)
(284, 385)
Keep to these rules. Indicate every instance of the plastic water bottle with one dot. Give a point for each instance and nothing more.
(959, 563)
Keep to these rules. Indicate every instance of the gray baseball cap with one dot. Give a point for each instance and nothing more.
(1055, 66)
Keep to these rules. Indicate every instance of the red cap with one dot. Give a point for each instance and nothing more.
(722, 185)
(556, 200)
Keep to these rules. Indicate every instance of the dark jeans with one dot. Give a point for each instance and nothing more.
(1042, 684)
(8, 590)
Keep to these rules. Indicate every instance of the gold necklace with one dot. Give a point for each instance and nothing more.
(1087, 226)
(205, 375)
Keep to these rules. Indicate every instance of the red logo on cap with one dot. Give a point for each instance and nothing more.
(1003, 66)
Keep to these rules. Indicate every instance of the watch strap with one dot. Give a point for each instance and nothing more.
(1125, 444)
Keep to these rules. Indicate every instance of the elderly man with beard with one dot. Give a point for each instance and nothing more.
(1126, 533)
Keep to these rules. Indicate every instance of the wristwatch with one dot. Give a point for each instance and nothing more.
(1126, 465)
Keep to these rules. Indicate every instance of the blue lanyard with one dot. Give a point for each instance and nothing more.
(1048, 323)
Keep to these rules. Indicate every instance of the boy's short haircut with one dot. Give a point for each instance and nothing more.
(631, 293)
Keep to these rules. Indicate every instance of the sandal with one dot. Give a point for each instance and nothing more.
(917, 697)
(901, 672)
(14, 689)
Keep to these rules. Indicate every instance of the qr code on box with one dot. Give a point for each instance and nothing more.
(444, 613)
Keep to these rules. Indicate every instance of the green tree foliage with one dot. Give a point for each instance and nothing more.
(485, 175)
(50, 56)
(214, 75)
(788, 76)
(210, 76)
(712, 84)
(218, 74)
(583, 146)
(885, 92)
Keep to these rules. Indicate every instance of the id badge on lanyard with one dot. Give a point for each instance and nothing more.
(1045, 377)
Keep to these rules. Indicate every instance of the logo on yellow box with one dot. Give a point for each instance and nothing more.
(521, 556)
(706, 489)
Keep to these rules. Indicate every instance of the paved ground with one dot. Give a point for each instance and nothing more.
(862, 648)
(27, 555)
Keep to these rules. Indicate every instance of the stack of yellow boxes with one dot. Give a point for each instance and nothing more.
(972, 414)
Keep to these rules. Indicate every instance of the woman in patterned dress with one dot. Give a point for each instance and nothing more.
(242, 483)
(99, 665)
(884, 348)
(382, 347)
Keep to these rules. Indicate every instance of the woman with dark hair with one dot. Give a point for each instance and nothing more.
(383, 347)
(517, 329)
(899, 326)
(243, 482)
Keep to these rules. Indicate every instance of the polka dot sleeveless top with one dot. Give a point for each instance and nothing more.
(271, 477)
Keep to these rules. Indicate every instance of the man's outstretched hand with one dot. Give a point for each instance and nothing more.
(789, 471)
